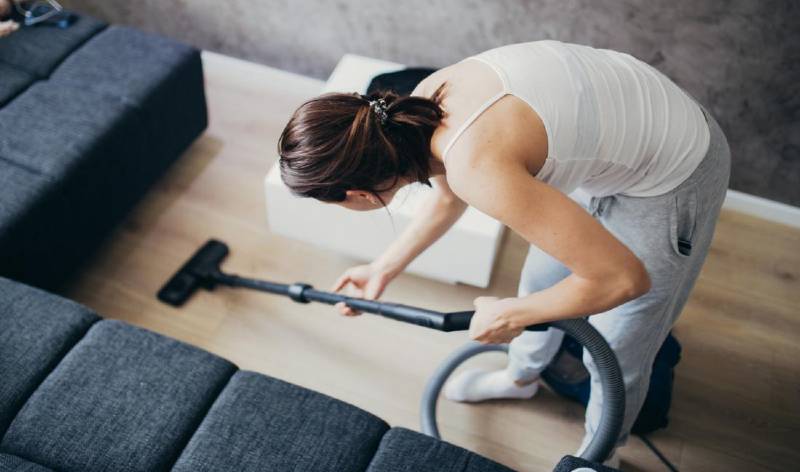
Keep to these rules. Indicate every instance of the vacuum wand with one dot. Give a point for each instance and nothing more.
(203, 271)
(304, 293)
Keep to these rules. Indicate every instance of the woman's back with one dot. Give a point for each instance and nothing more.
(614, 124)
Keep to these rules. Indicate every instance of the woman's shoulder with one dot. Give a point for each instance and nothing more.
(539, 43)
(427, 86)
(503, 127)
(449, 73)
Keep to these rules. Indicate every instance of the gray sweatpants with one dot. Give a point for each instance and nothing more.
(657, 229)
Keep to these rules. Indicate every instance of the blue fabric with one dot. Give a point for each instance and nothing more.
(13, 82)
(36, 330)
(20, 188)
(161, 78)
(56, 128)
(568, 376)
(260, 423)
(39, 50)
(123, 399)
(403, 450)
(9, 463)
(655, 410)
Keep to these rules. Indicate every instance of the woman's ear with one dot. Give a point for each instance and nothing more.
(361, 195)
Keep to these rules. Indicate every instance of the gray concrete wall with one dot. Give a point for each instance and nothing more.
(741, 58)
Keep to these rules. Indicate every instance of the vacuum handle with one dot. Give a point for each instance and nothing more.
(460, 320)
(397, 311)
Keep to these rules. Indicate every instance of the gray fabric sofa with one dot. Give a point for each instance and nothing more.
(80, 393)
(90, 116)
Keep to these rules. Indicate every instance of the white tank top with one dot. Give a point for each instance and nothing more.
(614, 124)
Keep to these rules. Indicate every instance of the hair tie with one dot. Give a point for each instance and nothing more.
(379, 107)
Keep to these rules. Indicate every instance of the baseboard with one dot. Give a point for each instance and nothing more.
(762, 208)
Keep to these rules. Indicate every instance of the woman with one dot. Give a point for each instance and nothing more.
(612, 172)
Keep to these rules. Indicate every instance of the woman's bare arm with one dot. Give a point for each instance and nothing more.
(605, 273)
(440, 210)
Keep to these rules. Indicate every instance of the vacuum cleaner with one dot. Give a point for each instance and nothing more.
(202, 271)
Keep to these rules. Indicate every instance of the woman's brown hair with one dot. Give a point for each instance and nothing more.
(337, 142)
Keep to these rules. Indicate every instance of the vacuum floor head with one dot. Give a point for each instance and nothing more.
(201, 271)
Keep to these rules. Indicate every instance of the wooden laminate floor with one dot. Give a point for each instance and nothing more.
(737, 391)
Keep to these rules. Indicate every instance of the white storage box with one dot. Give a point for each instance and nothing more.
(465, 254)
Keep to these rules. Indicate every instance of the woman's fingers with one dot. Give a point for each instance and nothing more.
(346, 310)
(341, 282)
(343, 309)
(357, 283)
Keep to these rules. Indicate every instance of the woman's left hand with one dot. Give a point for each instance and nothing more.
(491, 323)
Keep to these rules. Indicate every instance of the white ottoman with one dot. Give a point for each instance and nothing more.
(465, 254)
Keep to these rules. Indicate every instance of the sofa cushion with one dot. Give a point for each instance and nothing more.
(160, 77)
(20, 189)
(16, 464)
(13, 82)
(261, 423)
(53, 129)
(123, 398)
(403, 450)
(38, 50)
(36, 330)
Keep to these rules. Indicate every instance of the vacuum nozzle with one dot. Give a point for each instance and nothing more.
(201, 271)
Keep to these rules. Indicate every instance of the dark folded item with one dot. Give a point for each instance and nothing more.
(572, 463)
(401, 82)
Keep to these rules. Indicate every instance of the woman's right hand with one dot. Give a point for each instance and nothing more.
(364, 281)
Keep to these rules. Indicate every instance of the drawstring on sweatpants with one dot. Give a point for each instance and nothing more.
(597, 205)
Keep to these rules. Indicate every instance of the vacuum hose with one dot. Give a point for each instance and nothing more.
(613, 387)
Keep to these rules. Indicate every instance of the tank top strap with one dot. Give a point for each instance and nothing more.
(497, 70)
(482, 108)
